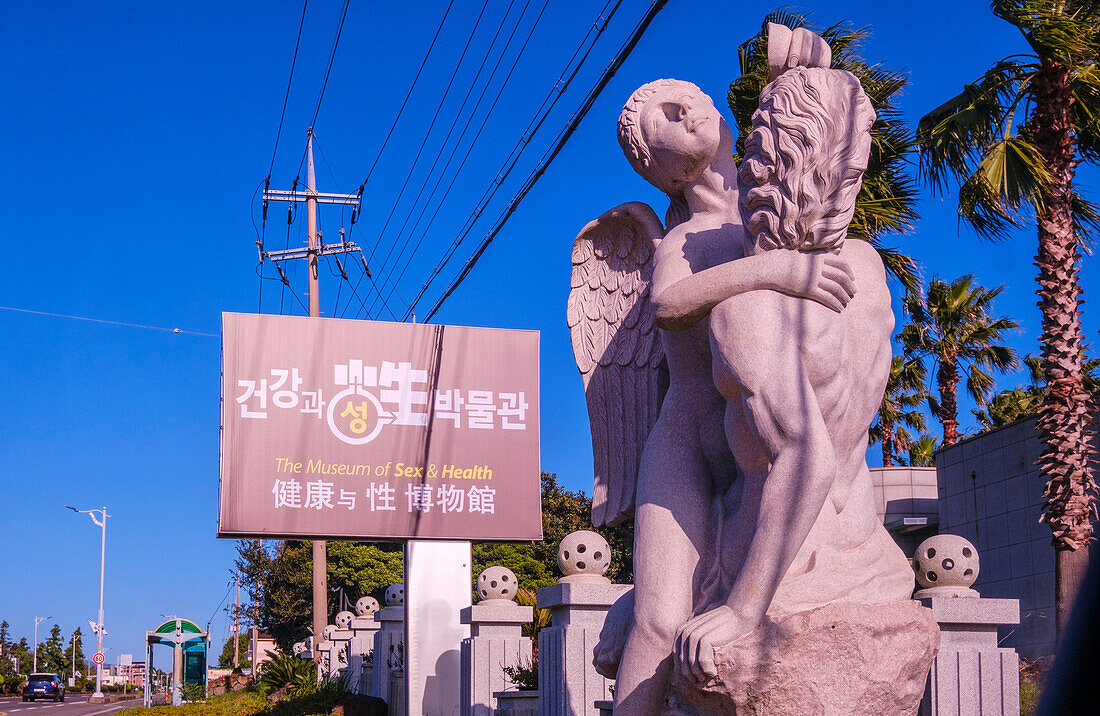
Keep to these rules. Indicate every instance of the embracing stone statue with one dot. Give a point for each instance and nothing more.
(733, 359)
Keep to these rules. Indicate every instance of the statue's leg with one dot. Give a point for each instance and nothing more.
(757, 356)
(670, 522)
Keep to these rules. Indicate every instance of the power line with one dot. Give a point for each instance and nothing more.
(485, 119)
(556, 92)
(408, 94)
(331, 57)
(113, 323)
(564, 136)
(427, 134)
(392, 278)
(289, 80)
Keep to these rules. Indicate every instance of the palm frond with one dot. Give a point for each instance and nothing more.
(952, 136)
(1059, 30)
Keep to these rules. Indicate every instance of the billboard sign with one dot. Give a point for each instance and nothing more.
(363, 429)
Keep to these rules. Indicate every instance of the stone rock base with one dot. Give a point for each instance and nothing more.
(853, 659)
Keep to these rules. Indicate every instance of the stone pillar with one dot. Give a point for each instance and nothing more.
(971, 675)
(496, 641)
(361, 647)
(389, 643)
(578, 604)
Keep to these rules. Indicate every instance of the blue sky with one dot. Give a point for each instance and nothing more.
(136, 135)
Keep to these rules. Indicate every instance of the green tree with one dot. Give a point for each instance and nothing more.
(887, 200)
(225, 659)
(1008, 406)
(898, 413)
(953, 326)
(282, 580)
(75, 640)
(563, 511)
(922, 451)
(51, 652)
(1011, 140)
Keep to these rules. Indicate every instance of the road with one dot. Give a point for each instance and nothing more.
(71, 706)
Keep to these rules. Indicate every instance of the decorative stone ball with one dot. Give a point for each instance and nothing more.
(497, 583)
(329, 631)
(366, 606)
(395, 595)
(946, 565)
(298, 648)
(584, 555)
(343, 620)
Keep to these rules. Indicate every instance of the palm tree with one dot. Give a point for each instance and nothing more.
(887, 200)
(1012, 140)
(953, 326)
(922, 451)
(898, 413)
(1008, 406)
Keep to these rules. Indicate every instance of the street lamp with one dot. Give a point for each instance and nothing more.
(37, 621)
(101, 522)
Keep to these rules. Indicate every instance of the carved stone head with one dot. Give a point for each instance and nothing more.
(805, 158)
(670, 132)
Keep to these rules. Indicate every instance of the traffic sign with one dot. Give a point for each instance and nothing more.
(98, 658)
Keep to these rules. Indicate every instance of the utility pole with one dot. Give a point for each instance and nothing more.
(315, 248)
(237, 625)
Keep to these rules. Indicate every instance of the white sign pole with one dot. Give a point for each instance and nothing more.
(438, 585)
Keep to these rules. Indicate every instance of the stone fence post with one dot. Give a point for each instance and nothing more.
(971, 675)
(578, 604)
(496, 641)
(361, 646)
(389, 642)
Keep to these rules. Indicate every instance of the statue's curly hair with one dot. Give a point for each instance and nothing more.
(632, 141)
(805, 159)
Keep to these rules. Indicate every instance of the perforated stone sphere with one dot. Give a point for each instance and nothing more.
(298, 648)
(395, 595)
(366, 606)
(328, 632)
(583, 553)
(343, 620)
(946, 564)
(497, 583)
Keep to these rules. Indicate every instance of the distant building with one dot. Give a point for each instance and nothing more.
(987, 489)
(906, 500)
(991, 493)
(260, 647)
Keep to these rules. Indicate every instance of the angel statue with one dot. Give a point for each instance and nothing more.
(733, 360)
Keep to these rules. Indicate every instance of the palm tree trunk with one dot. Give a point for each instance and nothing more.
(947, 379)
(1066, 412)
(887, 443)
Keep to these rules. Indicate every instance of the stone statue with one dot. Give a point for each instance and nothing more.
(747, 479)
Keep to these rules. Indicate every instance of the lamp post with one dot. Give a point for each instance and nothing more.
(37, 621)
(101, 522)
(72, 674)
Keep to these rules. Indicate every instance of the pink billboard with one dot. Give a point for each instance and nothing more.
(349, 429)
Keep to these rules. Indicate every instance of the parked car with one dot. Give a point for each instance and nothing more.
(43, 686)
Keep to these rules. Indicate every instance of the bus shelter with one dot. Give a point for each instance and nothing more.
(189, 647)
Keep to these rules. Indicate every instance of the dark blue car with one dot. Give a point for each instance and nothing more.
(43, 686)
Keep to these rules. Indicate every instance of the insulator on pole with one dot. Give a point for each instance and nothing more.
(290, 215)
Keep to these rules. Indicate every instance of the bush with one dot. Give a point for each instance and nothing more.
(289, 671)
(524, 676)
(194, 692)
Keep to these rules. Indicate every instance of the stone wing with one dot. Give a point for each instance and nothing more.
(617, 348)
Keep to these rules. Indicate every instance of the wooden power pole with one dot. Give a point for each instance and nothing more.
(314, 249)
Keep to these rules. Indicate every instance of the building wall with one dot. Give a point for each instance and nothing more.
(990, 492)
(906, 502)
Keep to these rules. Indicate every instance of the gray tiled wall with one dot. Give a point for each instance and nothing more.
(991, 493)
